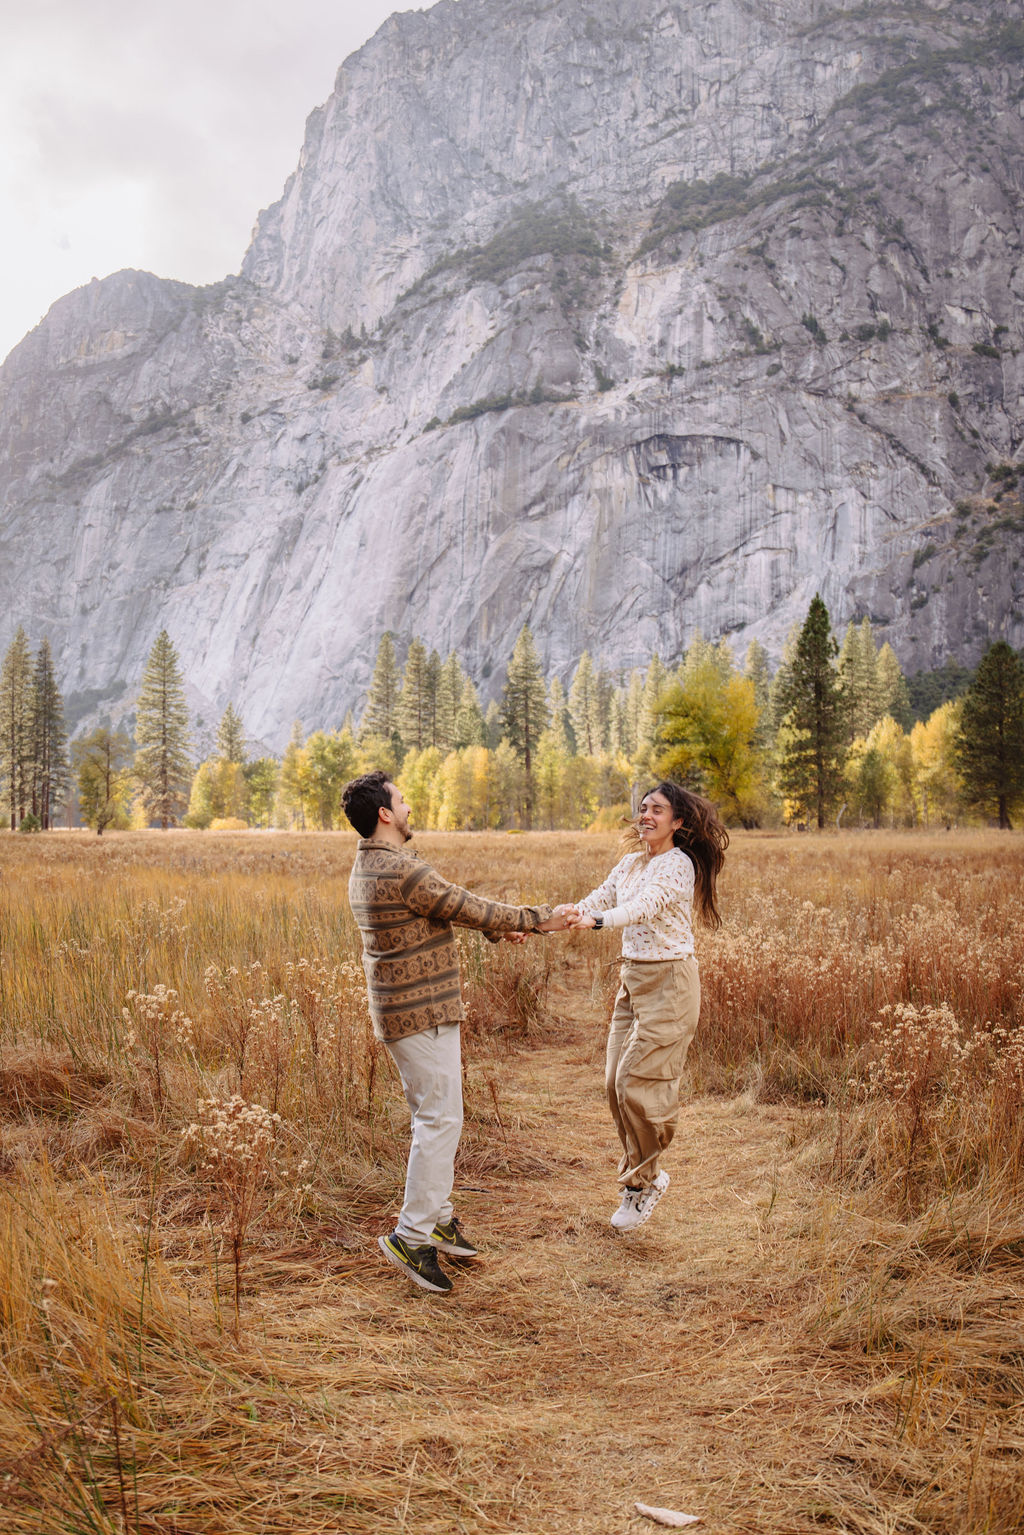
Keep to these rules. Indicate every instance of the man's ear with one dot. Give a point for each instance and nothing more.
(385, 814)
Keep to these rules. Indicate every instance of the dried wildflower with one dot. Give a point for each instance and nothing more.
(236, 1141)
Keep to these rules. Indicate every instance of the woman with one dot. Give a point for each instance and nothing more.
(650, 895)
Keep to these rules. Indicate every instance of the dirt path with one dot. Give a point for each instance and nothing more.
(575, 1371)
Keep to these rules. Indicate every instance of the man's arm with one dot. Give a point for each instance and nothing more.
(428, 895)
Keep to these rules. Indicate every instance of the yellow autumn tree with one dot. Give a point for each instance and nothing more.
(420, 777)
(709, 719)
(932, 745)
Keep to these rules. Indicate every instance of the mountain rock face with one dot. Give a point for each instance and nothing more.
(623, 318)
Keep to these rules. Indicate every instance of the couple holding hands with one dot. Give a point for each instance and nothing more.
(405, 912)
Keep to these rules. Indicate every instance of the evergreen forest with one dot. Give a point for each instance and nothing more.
(835, 735)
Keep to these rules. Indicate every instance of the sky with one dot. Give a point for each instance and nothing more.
(150, 133)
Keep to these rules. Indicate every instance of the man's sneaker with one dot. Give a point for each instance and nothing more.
(451, 1238)
(420, 1263)
(625, 1215)
(643, 1203)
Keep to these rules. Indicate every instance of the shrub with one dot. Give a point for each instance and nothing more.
(810, 323)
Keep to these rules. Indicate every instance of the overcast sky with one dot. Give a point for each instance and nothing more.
(149, 133)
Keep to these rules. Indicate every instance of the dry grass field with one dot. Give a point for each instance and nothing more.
(822, 1328)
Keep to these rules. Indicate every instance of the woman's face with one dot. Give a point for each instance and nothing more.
(656, 822)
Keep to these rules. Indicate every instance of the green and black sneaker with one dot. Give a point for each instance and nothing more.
(420, 1263)
(452, 1239)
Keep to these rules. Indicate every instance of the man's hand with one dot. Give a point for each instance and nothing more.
(515, 937)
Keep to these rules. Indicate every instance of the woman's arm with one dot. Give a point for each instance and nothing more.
(666, 885)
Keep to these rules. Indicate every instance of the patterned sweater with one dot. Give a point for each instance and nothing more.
(652, 899)
(405, 911)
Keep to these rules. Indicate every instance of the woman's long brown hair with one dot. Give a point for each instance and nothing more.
(703, 837)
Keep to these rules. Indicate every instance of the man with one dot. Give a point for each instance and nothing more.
(405, 912)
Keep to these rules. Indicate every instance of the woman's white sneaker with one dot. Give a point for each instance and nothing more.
(625, 1215)
(638, 1204)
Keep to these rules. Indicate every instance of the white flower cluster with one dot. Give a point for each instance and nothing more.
(65, 949)
(154, 1016)
(217, 980)
(233, 1135)
(1008, 1070)
(918, 1050)
(921, 1051)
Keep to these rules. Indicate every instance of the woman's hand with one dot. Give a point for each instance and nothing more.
(581, 919)
(560, 920)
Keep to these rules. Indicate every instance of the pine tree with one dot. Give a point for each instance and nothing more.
(758, 672)
(415, 704)
(525, 711)
(49, 740)
(380, 717)
(606, 684)
(231, 737)
(16, 728)
(494, 725)
(162, 764)
(779, 684)
(655, 683)
(990, 739)
(558, 713)
(450, 685)
(629, 713)
(697, 652)
(434, 669)
(893, 694)
(814, 718)
(858, 672)
(756, 667)
(585, 708)
(470, 729)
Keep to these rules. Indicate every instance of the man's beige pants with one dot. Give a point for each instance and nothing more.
(653, 1022)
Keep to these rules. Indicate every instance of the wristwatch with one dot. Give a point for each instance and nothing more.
(598, 923)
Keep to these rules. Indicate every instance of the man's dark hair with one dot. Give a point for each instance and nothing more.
(363, 797)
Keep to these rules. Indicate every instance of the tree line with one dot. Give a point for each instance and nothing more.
(829, 735)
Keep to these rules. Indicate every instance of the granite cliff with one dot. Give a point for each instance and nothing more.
(625, 318)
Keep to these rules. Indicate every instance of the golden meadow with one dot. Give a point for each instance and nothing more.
(191, 1095)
